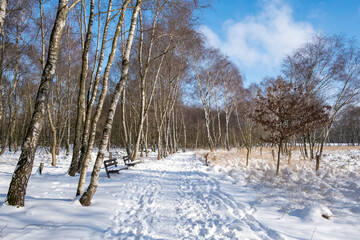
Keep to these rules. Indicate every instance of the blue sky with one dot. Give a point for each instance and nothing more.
(257, 34)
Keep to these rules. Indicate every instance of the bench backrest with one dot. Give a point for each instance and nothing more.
(127, 159)
(111, 162)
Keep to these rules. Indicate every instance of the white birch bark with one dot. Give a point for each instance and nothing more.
(3, 4)
(94, 88)
(87, 153)
(85, 199)
(81, 97)
(20, 178)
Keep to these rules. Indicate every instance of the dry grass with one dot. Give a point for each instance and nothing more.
(237, 157)
(221, 155)
(335, 148)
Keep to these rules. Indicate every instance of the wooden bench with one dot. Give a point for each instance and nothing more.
(111, 167)
(129, 161)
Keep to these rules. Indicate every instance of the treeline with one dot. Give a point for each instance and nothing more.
(88, 74)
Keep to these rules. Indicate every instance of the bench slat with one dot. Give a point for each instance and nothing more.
(129, 161)
(112, 162)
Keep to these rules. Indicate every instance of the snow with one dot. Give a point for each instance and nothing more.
(299, 203)
(181, 198)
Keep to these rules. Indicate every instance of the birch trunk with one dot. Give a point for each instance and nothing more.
(123, 120)
(53, 143)
(42, 34)
(174, 133)
(207, 109)
(146, 136)
(197, 134)
(74, 167)
(143, 79)
(278, 159)
(11, 102)
(227, 140)
(146, 106)
(3, 4)
(87, 154)
(184, 128)
(85, 199)
(68, 101)
(219, 122)
(207, 123)
(2, 52)
(20, 178)
(94, 87)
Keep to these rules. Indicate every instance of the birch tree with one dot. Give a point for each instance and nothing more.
(81, 96)
(20, 178)
(163, 40)
(313, 66)
(85, 199)
(327, 67)
(245, 107)
(348, 81)
(232, 85)
(144, 67)
(3, 4)
(207, 68)
(86, 155)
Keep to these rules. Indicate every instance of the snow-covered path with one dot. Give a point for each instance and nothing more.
(180, 198)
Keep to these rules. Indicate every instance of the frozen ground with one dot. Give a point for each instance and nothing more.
(180, 198)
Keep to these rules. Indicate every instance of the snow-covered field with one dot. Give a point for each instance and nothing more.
(299, 203)
(181, 198)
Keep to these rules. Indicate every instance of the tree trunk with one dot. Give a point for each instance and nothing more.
(247, 155)
(184, 127)
(143, 80)
(305, 147)
(227, 140)
(174, 137)
(42, 35)
(311, 145)
(91, 122)
(20, 178)
(159, 145)
(278, 160)
(219, 126)
(74, 167)
(207, 123)
(11, 102)
(85, 199)
(90, 125)
(146, 136)
(53, 143)
(197, 134)
(317, 162)
(123, 120)
(68, 101)
(86, 156)
(289, 157)
(2, 52)
(2, 15)
(168, 141)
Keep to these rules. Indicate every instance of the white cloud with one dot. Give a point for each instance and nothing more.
(263, 39)
(211, 37)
